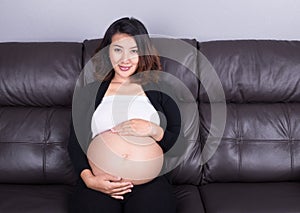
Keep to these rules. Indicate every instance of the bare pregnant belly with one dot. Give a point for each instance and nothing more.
(135, 159)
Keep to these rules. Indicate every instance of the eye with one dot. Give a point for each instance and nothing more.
(134, 51)
(117, 50)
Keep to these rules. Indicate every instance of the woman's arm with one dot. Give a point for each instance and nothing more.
(77, 156)
(172, 132)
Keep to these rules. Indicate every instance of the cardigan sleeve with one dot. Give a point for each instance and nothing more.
(77, 155)
(172, 133)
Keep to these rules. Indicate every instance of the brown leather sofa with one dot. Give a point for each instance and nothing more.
(255, 167)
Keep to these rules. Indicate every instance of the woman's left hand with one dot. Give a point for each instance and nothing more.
(139, 127)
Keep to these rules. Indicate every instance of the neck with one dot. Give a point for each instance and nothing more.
(119, 80)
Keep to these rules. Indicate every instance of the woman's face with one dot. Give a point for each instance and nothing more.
(123, 54)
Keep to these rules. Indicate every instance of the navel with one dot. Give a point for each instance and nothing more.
(125, 156)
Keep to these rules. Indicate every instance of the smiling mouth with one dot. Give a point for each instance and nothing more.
(124, 68)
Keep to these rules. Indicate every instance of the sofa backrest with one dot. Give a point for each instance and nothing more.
(261, 140)
(36, 87)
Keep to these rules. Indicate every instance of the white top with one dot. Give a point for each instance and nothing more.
(116, 109)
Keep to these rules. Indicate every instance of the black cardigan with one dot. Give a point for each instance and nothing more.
(160, 101)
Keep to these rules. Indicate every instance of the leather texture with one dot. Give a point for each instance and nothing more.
(261, 139)
(276, 197)
(38, 74)
(33, 145)
(34, 198)
(261, 143)
(255, 70)
(36, 88)
(256, 167)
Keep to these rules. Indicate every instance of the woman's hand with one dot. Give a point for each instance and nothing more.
(139, 127)
(106, 183)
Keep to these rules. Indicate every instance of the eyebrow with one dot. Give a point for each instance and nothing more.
(116, 45)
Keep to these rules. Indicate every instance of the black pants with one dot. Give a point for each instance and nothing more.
(153, 197)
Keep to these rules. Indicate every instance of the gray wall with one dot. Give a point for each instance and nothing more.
(76, 20)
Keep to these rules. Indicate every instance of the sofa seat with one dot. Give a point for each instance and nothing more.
(251, 197)
(27, 198)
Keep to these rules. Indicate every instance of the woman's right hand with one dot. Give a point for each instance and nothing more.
(106, 183)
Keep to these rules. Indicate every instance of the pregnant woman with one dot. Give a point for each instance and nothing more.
(120, 171)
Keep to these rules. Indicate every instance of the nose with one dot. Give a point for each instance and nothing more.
(125, 57)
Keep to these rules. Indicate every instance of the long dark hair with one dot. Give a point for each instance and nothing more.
(148, 56)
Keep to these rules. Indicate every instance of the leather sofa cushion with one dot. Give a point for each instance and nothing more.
(255, 71)
(261, 143)
(38, 74)
(251, 197)
(33, 145)
(34, 198)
